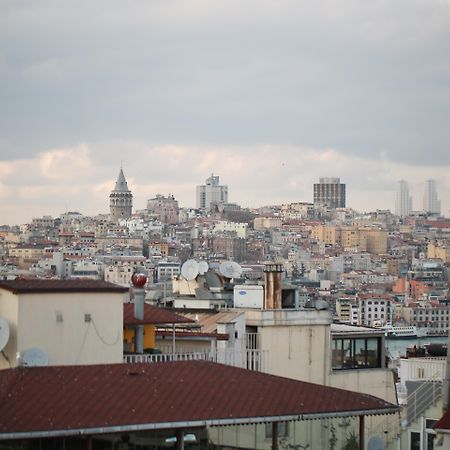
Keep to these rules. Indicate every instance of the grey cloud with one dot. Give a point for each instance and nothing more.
(365, 78)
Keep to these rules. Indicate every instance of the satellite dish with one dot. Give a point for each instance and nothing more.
(189, 270)
(34, 357)
(203, 267)
(230, 269)
(4, 333)
(375, 443)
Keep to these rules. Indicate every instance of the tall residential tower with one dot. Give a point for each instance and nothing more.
(120, 200)
(431, 204)
(403, 201)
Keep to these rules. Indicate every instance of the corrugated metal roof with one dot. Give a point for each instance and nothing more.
(161, 395)
(76, 285)
(152, 315)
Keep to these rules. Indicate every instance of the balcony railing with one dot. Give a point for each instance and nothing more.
(250, 359)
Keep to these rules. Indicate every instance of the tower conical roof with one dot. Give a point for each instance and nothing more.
(121, 183)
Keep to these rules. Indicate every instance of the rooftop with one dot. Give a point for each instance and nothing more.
(152, 315)
(40, 285)
(39, 401)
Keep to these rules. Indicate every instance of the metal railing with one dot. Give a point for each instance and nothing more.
(249, 359)
(426, 395)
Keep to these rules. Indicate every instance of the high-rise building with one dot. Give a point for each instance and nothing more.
(403, 201)
(120, 200)
(431, 204)
(211, 193)
(329, 192)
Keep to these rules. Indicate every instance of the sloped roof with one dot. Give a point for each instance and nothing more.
(208, 320)
(152, 316)
(68, 400)
(444, 423)
(121, 183)
(75, 285)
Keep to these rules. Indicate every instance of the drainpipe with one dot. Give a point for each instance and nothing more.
(275, 435)
(139, 280)
(361, 433)
(180, 439)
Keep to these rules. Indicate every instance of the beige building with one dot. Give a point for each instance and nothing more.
(372, 240)
(264, 223)
(439, 250)
(376, 240)
(71, 321)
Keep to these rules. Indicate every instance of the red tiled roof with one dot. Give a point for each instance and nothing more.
(41, 285)
(444, 422)
(152, 315)
(67, 399)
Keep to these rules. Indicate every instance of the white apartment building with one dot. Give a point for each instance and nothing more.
(211, 193)
(374, 309)
(232, 227)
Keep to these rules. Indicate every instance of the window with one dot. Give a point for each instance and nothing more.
(414, 440)
(360, 353)
(283, 430)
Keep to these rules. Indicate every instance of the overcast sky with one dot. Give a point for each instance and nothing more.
(269, 95)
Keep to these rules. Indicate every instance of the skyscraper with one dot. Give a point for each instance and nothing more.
(431, 204)
(120, 200)
(211, 193)
(403, 201)
(330, 192)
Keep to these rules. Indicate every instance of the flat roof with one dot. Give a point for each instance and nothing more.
(21, 286)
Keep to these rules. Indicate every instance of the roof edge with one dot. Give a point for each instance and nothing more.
(191, 424)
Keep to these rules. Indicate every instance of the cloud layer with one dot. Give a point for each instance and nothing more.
(362, 88)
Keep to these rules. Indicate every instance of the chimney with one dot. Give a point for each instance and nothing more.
(272, 291)
(139, 280)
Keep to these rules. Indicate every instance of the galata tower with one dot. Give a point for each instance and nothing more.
(120, 200)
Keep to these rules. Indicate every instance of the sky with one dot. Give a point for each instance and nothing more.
(268, 94)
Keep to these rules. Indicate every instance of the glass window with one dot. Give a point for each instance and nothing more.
(414, 441)
(283, 429)
(360, 353)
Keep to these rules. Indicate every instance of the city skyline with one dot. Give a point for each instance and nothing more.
(294, 92)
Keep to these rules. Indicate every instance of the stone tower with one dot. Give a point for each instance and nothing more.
(120, 200)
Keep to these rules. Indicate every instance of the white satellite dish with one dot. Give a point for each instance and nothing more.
(4, 333)
(230, 269)
(34, 357)
(202, 267)
(189, 270)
